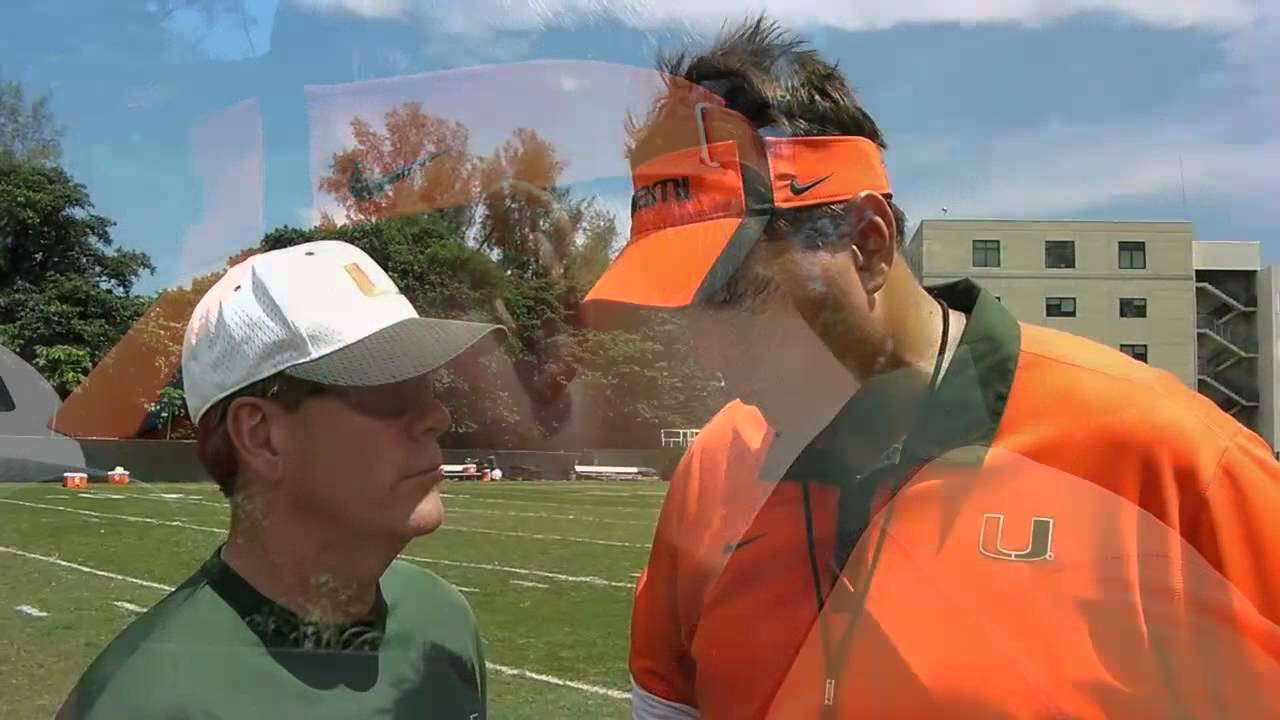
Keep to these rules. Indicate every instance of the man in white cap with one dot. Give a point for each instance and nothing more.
(308, 376)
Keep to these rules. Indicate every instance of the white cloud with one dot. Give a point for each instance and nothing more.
(1057, 170)
(1045, 170)
(1255, 50)
(487, 15)
(1222, 156)
(363, 8)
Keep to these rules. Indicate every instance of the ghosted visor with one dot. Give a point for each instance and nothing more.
(697, 212)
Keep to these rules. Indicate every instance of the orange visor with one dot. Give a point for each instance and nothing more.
(695, 215)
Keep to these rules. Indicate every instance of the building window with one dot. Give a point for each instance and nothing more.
(1133, 255)
(1133, 307)
(1137, 352)
(1059, 253)
(986, 253)
(1060, 307)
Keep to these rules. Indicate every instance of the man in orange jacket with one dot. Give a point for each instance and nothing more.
(919, 506)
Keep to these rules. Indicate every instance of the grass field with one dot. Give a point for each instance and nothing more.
(548, 568)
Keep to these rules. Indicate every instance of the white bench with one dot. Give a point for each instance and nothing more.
(469, 470)
(622, 472)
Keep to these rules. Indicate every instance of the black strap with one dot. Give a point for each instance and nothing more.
(942, 345)
(853, 516)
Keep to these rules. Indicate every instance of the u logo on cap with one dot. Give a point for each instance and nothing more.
(363, 282)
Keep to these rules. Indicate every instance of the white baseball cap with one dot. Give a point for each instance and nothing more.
(321, 311)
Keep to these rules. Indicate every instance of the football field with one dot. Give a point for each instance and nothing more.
(548, 567)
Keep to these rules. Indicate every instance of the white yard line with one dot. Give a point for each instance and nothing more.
(557, 486)
(539, 536)
(563, 493)
(585, 687)
(82, 568)
(480, 566)
(191, 501)
(546, 516)
(129, 606)
(463, 511)
(33, 612)
(114, 516)
(528, 583)
(617, 493)
(583, 579)
(504, 669)
(178, 523)
(464, 588)
(575, 506)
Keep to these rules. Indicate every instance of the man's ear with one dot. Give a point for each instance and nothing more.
(872, 233)
(248, 425)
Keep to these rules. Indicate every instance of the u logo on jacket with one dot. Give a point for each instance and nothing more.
(1038, 547)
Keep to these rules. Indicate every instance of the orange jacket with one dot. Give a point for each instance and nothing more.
(1071, 534)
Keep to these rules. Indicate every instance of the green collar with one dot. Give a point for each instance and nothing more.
(280, 628)
(966, 407)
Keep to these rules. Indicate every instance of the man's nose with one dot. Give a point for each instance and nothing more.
(431, 420)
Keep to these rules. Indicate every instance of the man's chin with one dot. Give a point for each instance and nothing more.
(428, 516)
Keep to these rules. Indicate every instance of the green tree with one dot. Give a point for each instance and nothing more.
(644, 379)
(63, 366)
(170, 404)
(62, 283)
(597, 243)
(66, 293)
(28, 131)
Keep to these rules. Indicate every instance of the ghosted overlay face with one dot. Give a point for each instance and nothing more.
(778, 326)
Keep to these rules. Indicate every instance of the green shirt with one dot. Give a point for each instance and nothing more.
(216, 648)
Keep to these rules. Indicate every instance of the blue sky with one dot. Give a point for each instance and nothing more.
(198, 135)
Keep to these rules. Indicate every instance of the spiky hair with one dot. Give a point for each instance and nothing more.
(766, 74)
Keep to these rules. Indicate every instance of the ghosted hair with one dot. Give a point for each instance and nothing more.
(776, 81)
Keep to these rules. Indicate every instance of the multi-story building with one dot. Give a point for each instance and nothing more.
(1204, 311)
